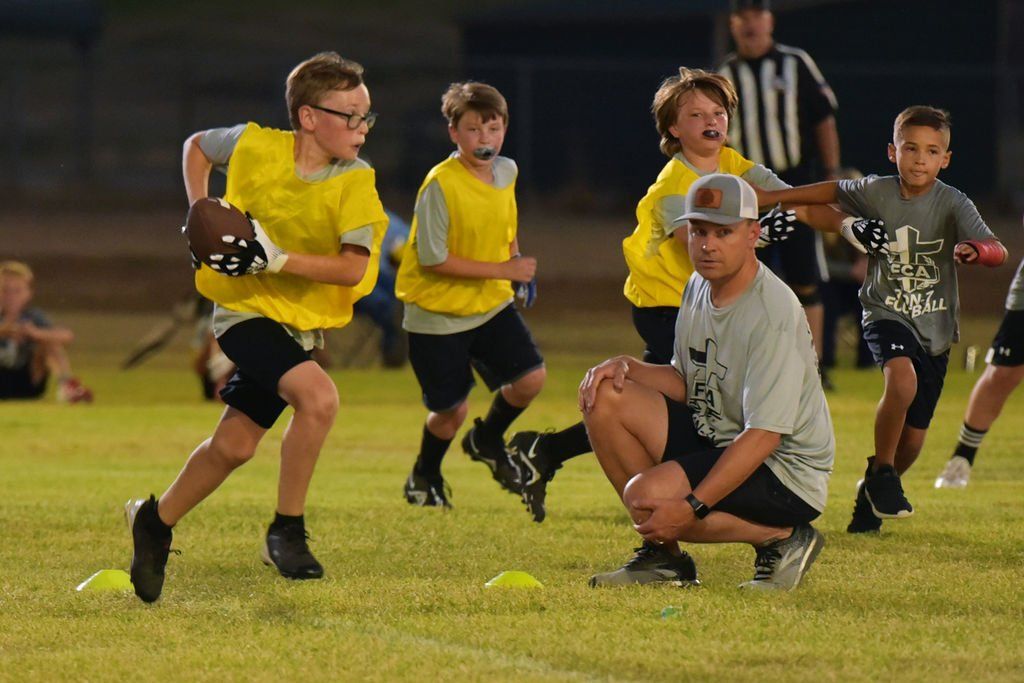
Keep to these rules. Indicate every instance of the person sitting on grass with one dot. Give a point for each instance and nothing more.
(31, 347)
(732, 442)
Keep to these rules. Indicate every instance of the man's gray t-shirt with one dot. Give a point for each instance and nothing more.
(218, 144)
(751, 365)
(917, 284)
(1015, 297)
(672, 206)
(431, 244)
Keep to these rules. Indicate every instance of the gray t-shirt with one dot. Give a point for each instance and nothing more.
(917, 284)
(672, 206)
(751, 365)
(1015, 297)
(218, 144)
(431, 245)
(15, 354)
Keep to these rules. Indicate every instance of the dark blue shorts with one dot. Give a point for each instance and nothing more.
(761, 499)
(16, 383)
(657, 327)
(1008, 345)
(263, 352)
(501, 350)
(889, 339)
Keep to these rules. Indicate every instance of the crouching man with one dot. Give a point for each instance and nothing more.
(733, 442)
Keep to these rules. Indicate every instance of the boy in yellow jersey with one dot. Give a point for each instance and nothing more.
(456, 279)
(691, 113)
(318, 228)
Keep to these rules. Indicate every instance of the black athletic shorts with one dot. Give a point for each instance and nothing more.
(761, 499)
(501, 350)
(1008, 346)
(889, 339)
(657, 327)
(263, 352)
(16, 383)
(799, 261)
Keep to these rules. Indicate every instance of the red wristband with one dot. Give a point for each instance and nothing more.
(990, 252)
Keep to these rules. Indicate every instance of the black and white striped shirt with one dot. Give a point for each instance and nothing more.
(782, 98)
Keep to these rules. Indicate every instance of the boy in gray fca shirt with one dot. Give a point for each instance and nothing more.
(910, 293)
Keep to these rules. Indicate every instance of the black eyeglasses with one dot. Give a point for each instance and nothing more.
(354, 120)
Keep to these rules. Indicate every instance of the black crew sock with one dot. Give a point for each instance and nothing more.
(157, 525)
(499, 418)
(432, 450)
(970, 441)
(288, 520)
(566, 444)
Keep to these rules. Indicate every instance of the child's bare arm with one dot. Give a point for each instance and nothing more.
(818, 193)
(346, 269)
(195, 167)
(520, 269)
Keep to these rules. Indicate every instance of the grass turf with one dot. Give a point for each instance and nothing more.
(934, 597)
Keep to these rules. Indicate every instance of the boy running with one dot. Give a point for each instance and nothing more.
(319, 229)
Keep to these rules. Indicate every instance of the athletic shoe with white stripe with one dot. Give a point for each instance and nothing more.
(781, 565)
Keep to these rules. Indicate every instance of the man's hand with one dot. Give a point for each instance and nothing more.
(776, 226)
(867, 235)
(668, 519)
(253, 256)
(614, 369)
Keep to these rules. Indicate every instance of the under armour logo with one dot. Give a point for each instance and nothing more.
(897, 346)
(1003, 351)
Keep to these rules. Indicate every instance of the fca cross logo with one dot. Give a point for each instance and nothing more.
(897, 346)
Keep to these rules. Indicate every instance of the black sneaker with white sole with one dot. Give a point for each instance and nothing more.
(863, 520)
(151, 541)
(651, 564)
(535, 470)
(426, 491)
(884, 492)
(782, 564)
(287, 550)
(492, 453)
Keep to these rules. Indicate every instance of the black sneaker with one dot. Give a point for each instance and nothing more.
(493, 455)
(863, 520)
(426, 492)
(884, 492)
(287, 550)
(151, 548)
(651, 564)
(535, 470)
(781, 565)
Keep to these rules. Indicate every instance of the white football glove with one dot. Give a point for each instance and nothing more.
(776, 226)
(253, 256)
(867, 235)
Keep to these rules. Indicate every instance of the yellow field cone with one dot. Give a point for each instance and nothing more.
(107, 580)
(513, 579)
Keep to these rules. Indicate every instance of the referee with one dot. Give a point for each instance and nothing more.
(786, 121)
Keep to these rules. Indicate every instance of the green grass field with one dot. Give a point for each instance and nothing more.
(937, 597)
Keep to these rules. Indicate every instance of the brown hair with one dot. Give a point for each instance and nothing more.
(16, 269)
(669, 97)
(318, 75)
(484, 99)
(922, 115)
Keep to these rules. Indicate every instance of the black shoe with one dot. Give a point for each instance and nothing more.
(492, 454)
(151, 548)
(287, 550)
(427, 492)
(535, 470)
(884, 492)
(864, 520)
(651, 564)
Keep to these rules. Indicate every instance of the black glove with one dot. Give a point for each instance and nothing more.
(253, 256)
(867, 235)
(776, 226)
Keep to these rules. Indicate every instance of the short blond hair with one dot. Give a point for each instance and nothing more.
(484, 99)
(923, 115)
(669, 98)
(320, 74)
(16, 269)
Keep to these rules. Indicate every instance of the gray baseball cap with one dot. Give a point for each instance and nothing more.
(720, 198)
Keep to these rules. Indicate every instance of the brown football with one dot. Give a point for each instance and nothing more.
(209, 220)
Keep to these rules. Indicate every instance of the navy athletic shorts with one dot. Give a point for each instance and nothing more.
(1008, 345)
(889, 339)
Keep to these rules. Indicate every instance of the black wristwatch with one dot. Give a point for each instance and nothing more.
(700, 510)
